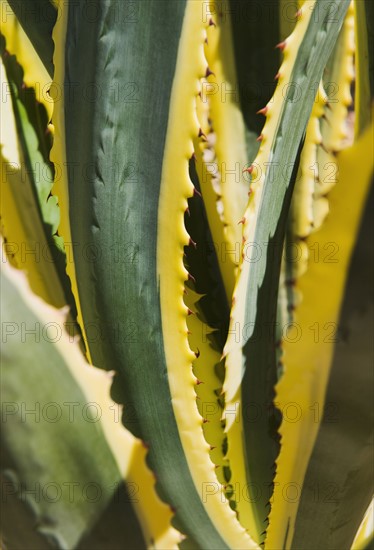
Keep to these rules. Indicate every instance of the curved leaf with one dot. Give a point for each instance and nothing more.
(66, 457)
(115, 210)
(306, 386)
(250, 354)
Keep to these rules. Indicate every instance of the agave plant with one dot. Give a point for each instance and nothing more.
(177, 229)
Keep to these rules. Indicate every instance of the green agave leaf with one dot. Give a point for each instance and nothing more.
(61, 429)
(287, 21)
(37, 18)
(257, 30)
(250, 349)
(56, 454)
(131, 142)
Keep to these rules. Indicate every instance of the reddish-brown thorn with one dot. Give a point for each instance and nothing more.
(249, 169)
(242, 221)
(290, 307)
(193, 156)
(201, 133)
(192, 242)
(290, 282)
(196, 192)
(205, 420)
(190, 312)
(198, 382)
(197, 353)
(208, 72)
(278, 343)
(298, 13)
(212, 448)
(260, 137)
(206, 40)
(281, 46)
(250, 192)
(263, 111)
(173, 509)
(188, 211)
(211, 22)
(145, 444)
(191, 278)
(277, 76)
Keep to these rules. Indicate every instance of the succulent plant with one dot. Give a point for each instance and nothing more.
(177, 231)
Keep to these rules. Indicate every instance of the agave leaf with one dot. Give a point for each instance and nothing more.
(302, 214)
(35, 138)
(327, 133)
(338, 472)
(336, 127)
(37, 18)
(73, 441)
(306, 386)
(338, 483)
(29, 237)
(339, 69)
(287, 21)
(250, 355)
(134, 142)
(207, 324)
(222, 148)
